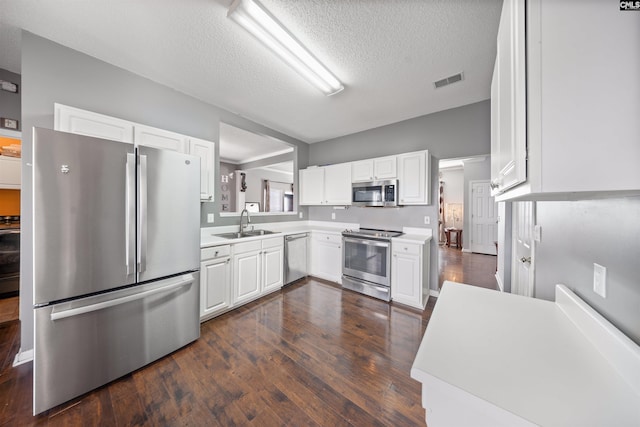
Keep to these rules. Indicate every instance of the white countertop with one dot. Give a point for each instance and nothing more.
(208, 234)
(523, 355)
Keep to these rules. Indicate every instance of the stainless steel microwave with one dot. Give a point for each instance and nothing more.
(375, 193)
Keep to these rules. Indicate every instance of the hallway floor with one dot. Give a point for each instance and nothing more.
(465, 267)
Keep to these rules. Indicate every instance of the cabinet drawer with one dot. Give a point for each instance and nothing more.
(240, 248)
(215, 252)
(406, 248)
(272, 242)
(326, 237)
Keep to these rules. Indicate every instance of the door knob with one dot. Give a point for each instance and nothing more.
(494, 185)
(528, 259)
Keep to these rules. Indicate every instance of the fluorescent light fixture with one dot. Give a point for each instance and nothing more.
(253, 17)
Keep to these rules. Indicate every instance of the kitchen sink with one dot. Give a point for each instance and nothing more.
(239, 235)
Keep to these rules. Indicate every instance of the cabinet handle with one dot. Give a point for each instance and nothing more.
(216, 253)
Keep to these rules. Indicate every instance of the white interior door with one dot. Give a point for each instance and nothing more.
(484, 219)
(523, 249)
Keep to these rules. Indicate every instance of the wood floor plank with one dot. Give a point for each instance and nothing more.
(309, 355)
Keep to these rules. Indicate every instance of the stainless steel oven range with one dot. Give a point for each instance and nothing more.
(366, 261)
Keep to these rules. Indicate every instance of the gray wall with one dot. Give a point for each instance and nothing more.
(458, 132)
(54, 73)
(10, 102)
(577, 234)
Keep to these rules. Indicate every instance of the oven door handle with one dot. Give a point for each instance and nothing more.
(366, 242)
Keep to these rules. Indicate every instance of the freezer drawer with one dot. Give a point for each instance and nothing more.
(83, 344)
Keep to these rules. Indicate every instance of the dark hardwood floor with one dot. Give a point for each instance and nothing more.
(465, 267)
(310, 354)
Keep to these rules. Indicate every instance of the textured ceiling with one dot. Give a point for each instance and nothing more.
(387, 53)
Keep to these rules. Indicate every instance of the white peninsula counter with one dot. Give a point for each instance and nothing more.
(494, 359)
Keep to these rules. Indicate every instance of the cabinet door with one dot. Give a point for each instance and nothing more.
(204, 150)
(10, 173)
(272, 271)
(385, 168)
(246, 276)
(413, 178)
(215, 286)
(312, 186)
(508, 139)
(406, 285)
(82, 122)
(337, 184)
(158, 138)
(362, 171)
(326, 259)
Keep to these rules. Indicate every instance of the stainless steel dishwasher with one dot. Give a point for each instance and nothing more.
(295, 257)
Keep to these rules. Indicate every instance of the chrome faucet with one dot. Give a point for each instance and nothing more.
(242, 227)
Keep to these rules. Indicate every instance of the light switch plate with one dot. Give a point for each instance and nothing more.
(300, 215)
(333, 215)
(210, 218)
(427, 219)
(600, 280)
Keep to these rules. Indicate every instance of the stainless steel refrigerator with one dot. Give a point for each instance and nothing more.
(116, 245)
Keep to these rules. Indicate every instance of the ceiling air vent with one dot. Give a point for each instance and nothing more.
(448, 80)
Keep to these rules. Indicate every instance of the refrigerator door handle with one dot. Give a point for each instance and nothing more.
(130, 213)
(142, 219)
(171, 286)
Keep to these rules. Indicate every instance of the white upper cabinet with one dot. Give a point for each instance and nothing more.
(508, 133)
(75, 120)
(414, 178)
(159, 138)
(581, 134)
(204, 150)
(337, 184)
(312, 186)
(374, 169)
(327, 185)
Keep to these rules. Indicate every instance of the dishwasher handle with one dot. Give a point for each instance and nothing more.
(296, 237)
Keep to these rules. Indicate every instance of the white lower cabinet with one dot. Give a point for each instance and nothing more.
(257, 268)
(410, 273)
(326, 256)
(215, 281)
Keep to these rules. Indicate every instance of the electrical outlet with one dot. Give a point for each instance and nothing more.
(427, 220)
(600, 280)
(300, 215)
(333, 215)
(210, 218)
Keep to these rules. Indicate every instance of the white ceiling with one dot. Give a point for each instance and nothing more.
(240, 146)
(387, 53)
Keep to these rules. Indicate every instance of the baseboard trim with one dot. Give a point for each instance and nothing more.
(500, 284)
(467, 251)
(434, 293)
(23, 357)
